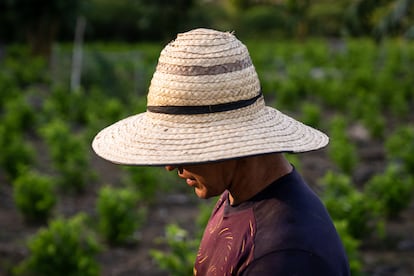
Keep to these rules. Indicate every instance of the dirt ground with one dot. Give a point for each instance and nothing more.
(394, 258)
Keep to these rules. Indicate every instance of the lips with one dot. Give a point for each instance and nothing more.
(191, 182)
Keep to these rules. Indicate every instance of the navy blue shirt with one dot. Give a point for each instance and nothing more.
(283, 230)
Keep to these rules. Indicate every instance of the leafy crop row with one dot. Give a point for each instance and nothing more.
(46, 130)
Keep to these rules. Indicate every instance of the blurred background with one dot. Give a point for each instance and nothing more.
(70, 68)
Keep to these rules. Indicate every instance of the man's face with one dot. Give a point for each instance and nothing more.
(208, 180)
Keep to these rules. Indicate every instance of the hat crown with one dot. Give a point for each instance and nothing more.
(204, 105)
(203, 67)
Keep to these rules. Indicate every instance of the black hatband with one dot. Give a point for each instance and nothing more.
(202, 109)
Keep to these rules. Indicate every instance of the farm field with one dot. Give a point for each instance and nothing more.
(60, 202)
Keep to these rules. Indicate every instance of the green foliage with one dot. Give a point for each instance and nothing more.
(180, 259)
(69, 154)
(341, 151)
(356, 78)
(371, 114)
(16, 152)
(182, 248)
(34, 195)
(132, 19)
(104, 110)
(117, 74)
(93, 108)
(345, 202)
(400, 147)
(393, 188)
(353, 79)
(18, 115)
(146, 180)
(294, 159)
(65, 247)
(139, 20)
(69, 106)
(23, 68)
(351, 247)
(101, 112)
(311, 114)
(118, 215)
(267, 19)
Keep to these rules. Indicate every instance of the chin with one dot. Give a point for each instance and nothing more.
(205, 194)
(201, 195)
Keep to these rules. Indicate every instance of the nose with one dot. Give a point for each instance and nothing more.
(171, 168)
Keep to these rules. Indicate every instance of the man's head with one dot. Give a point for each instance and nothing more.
(204, 104)
(242, 177)
(208, 179)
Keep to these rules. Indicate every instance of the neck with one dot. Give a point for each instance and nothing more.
(252, 174)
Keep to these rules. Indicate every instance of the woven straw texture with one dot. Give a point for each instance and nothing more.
(204, 68)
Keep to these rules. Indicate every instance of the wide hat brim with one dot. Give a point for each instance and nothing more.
(161, 139)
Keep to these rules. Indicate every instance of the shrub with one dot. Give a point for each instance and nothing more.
(372, 116)
(66, 247)
(351, 246)
(24, 68)
(118, 216)
(8, 88)
(180, 260)
(104, 110)
(34, 196)
(63, 103)
(18, 114)
(400, 147)
(345, 202)
(146, 180)
(311, 114)
(393, 189)
(341, 151)
(267, 19)
(69, 155)
(16, 152)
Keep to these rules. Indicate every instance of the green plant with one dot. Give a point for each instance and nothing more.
(294, 159)
(400, 147)
(182, 248)
(351, 246)
(18, 114)
(146, 180)
(24, 68)
(180, 260)
(311, 114)
(34, 195)
(393, 188)
(69, 154)
(118, 215)
(345, 202)
(372, 116)
(341, 151)
(70, 106)
(65, 247)
(16, 152)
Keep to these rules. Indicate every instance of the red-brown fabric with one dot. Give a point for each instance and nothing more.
(283, 230)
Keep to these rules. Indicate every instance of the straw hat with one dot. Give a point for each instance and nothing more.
(204, 104)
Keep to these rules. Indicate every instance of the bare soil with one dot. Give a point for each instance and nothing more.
(393, 257)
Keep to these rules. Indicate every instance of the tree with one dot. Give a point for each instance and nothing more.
(37, 22)
(380, 17)
(395, 17)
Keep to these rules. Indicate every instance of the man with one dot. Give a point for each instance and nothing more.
(206, 117)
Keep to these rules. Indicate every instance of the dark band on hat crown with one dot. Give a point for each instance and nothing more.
(203, 109)
(196, 70)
